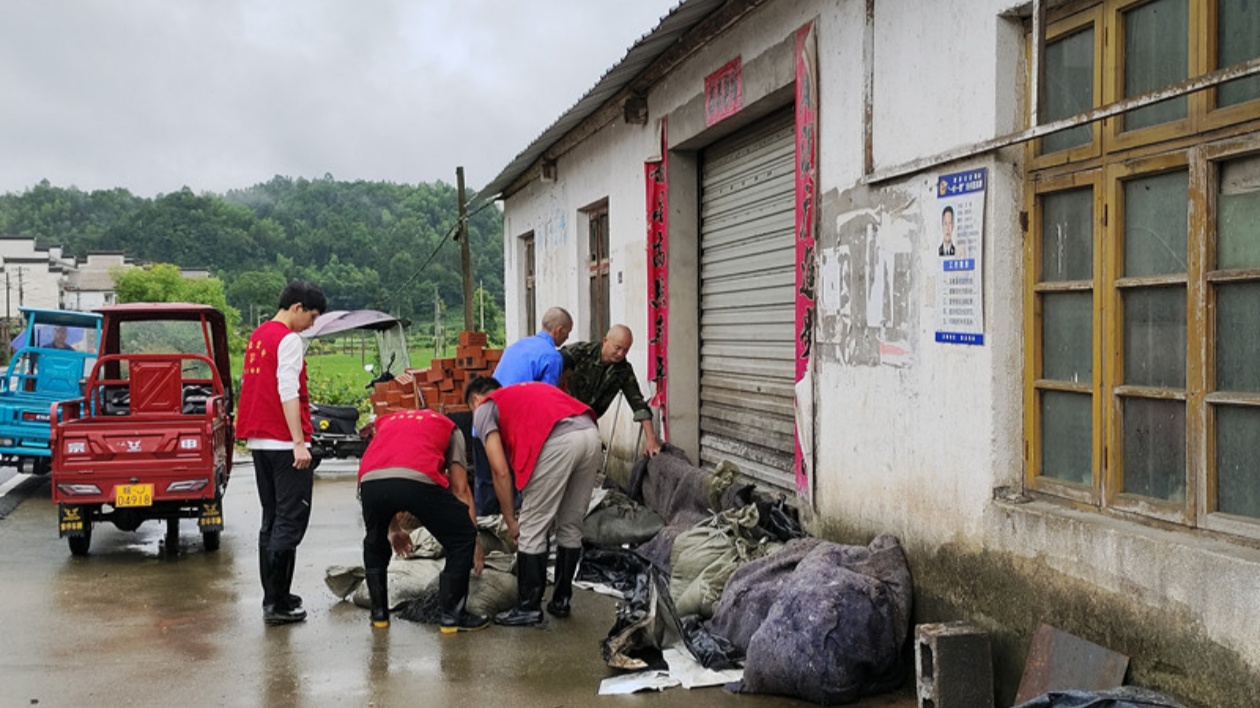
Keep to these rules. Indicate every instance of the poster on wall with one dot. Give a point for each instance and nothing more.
(958, 251)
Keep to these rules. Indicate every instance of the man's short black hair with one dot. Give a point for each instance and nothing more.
(569, 362)
(303, 293)
(480, 385)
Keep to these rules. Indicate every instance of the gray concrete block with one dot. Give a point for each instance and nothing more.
(954, 666)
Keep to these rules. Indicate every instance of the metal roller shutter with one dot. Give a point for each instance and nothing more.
(747, 306)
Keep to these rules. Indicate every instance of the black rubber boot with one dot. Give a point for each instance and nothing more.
(566, 566)
(263, 564)
(378, 595)
(279, 578)
(453, 598)
(531, 582)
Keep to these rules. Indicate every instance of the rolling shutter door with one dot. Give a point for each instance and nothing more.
(747, 306)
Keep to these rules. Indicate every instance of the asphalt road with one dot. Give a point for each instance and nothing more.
(130, 625)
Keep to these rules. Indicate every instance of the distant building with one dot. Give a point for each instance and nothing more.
(41, 276)
(91, 284)
(32, 274)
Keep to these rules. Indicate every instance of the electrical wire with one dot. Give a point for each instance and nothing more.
(454, 228)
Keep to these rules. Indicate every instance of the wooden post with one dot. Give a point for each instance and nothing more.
(465, 252)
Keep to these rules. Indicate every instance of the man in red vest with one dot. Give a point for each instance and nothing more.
(417, 463)
(552, 443)
(274, 418)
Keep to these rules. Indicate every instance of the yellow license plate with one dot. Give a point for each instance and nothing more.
(133, 495)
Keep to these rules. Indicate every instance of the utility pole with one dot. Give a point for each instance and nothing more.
(437, 323)
(481, 300)
(465, 252)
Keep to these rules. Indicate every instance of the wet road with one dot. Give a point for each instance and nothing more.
(130, 625)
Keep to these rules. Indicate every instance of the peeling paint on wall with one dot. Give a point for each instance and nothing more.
(866, 261)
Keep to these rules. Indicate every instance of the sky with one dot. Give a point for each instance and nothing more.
(157, 95)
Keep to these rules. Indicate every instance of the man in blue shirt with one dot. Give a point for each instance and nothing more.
(535, 358)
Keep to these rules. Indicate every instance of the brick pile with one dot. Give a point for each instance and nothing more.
(441, 386)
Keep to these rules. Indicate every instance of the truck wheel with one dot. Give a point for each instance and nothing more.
(210, 539)
(79, 544)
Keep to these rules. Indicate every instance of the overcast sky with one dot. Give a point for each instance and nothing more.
(156, 95)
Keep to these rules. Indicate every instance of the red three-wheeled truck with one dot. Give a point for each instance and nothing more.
(152, 436)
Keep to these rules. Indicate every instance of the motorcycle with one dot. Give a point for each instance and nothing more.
(336, 433)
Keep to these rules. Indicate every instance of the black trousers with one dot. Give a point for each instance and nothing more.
(483, 484)
(285, 494)
(439, 511)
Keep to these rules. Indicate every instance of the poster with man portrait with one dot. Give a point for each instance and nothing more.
(958, 219)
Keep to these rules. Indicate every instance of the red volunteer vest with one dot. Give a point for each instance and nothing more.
(528, 412)
(416, 440)
(260, 414)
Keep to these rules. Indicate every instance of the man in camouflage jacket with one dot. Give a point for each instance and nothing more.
(600, 371)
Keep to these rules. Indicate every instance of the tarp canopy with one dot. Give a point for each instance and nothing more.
(338, 321)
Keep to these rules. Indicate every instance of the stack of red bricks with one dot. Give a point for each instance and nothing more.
(441, 386)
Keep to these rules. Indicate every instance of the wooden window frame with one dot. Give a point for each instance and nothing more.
(1199, 143)
(1113, 341)
(1034, 384)
(1116, 137)
(529, 279)
(598, 266)
(1204, 173)
(1213, 117)
(1069, 25)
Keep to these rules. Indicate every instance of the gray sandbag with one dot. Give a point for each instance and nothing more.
(753, 589)
(488, 594)
(704, 558)
(835, 633)
(673, 487)
(408, 579)
(618, 521)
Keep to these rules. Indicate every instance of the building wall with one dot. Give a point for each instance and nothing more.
(926, 442)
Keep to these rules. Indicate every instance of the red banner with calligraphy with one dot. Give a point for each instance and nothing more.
(658, 275)
(723, 92)
(806, 273)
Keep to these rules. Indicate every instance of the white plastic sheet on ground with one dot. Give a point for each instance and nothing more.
(684, 671)
(633, 683)
(692, 674)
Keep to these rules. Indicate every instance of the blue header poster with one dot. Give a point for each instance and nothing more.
(957, 219)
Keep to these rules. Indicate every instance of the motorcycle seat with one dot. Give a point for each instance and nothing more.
(342, 412)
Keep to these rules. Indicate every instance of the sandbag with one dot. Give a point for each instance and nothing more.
(489, 593)
(620, 521)
(408, 579)
(705, 557)
(835, 633)
(752, 590)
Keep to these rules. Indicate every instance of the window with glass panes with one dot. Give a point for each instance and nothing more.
(531, 301)
(1143, 318)
(598, 270)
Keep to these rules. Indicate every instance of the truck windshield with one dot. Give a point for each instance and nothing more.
(166, 337)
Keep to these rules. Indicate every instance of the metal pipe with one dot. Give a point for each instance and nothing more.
(1215, 78)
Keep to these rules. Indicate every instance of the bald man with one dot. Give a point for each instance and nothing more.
(600, 372)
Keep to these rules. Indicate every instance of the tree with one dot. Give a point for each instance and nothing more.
(256, 292)
(164, 282)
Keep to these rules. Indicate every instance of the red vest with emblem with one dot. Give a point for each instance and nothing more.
(259, 413)
(416, 440)
(528, 412)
